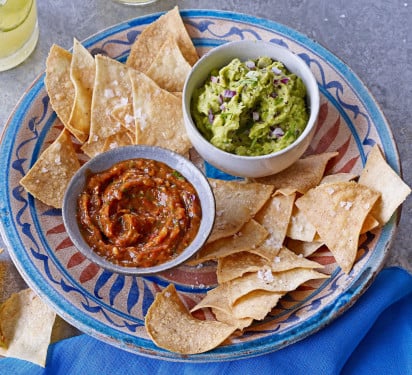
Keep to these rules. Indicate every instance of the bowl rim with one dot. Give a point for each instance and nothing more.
(107, 159)
(313, 109)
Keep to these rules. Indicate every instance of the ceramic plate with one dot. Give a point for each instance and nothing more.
(112, 307)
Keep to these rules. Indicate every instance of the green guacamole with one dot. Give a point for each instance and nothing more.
(251, 108)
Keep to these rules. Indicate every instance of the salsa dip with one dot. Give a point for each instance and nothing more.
(138, 213)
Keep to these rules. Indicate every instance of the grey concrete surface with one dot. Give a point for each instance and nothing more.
(372, 37)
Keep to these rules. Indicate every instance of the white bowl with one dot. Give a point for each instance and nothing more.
(107, 159)
(250, 166)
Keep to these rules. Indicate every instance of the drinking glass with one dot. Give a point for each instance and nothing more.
(135, 2)
(19, 31)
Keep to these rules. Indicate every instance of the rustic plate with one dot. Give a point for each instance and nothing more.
(111, 306)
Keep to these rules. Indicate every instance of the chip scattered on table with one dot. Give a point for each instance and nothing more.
(25, 326)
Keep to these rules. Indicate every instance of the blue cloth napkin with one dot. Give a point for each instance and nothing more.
(372, 337)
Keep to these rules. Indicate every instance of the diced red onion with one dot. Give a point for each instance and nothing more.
(255, 116)
(273, 94)
(277, 133)
(229, 93)
(276, 70)
(284, 80)
(214, 79)
(250, 64)
(211, 116)
(222, 107)
(220, 99)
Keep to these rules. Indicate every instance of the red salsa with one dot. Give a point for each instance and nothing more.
(138, 213)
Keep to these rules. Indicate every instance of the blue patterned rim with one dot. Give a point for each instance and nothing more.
(53, 290)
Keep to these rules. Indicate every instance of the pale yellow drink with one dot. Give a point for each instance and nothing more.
(18, 31)
(135, 2)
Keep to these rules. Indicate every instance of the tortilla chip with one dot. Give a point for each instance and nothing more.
(112, 89)
(237, 265)
(123, 114)
(300, 228)
(251, 235)
(48, 178)
(124, 138)
(338, 177)
(169, 69)
(228, 318)
(302, 175)
(338, 212)
(26, 325)
(158, 115)
(236, 203)
(379, 176)
(150, 41)
(58, 84)
(275, 216)
(82, 70)
(171, 326)
(369, 224)
(263, 279)
(264, 251)
(256, 304)
(302, 247)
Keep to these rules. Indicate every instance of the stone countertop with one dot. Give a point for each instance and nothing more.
(372, 37)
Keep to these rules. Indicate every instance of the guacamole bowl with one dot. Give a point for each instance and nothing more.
(138, 210)
(250, 53)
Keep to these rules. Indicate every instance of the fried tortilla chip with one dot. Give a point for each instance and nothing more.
(171, 326)
(379, 176)
(275, 216)
(158, 115)
(228, 318)
(48, 178)
(338, 177)
(300, 228)
(112, 89)
(169, 69)
(256, 304)
(237, 265)
(25, 325)
(123, 114)
(369, 224)
(150, 41)
(124, 138)
(82, 71)
(236, 203)
(263, 279)
(303, 175)
(338, 212)
(302, 247)
(251, 235)
(58, 84)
